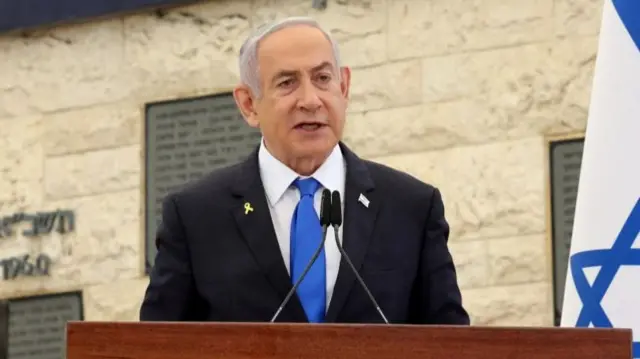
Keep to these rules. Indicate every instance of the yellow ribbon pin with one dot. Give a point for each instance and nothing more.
(247, 208)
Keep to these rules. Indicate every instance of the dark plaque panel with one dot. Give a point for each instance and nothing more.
(186, 139)
(37, 325)
(565, 161)
(4, 329)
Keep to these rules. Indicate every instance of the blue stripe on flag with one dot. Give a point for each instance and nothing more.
(610, 262)
(629, 12)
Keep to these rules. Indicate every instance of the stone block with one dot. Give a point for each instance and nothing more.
(477, 98)
(505, 73)
(14, 100)
(365, 50)
(519, 305)
(92, 172)
(518, 260)
(21, 163)
(431, 27)
(149, 87)
(577, 17)
(344, 19)
(489, 191)
(93, 128)
(189, 39)
(186, 51)
(510, 93)
(394, 84)
(64, 67)
(396, 131)
(117, 301)
(106, 245)
(358, 26)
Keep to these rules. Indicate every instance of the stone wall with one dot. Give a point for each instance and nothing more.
(460, 93)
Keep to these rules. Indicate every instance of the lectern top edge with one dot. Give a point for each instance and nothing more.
(133, 325)
(250, 340)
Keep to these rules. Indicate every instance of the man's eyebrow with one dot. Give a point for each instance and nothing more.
(322, 66)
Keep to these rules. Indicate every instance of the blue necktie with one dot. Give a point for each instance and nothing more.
(306, 235)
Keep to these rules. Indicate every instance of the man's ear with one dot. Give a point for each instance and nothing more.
(345, 81)
(246, 104)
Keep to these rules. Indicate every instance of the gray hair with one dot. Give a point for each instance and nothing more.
(248, 61)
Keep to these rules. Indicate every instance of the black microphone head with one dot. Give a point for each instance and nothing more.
(325, 208)
(336, 209)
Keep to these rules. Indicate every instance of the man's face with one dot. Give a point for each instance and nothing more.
(302, 108)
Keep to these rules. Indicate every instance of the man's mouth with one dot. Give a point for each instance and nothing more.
(309, 126)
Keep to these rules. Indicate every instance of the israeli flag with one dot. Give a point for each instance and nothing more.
(603, 280)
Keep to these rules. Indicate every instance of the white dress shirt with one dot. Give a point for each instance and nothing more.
(283, 197)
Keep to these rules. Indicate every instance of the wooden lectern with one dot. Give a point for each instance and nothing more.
(154, 340)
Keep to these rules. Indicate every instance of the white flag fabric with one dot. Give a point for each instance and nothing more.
(603, 278)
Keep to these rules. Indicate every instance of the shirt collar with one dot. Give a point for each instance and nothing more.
(277, 177)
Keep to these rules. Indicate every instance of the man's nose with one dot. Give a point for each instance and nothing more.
(309, 99)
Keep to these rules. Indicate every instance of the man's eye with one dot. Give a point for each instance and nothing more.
(285, 83)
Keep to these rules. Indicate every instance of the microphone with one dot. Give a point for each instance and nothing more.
(325, 221)
(336, 221)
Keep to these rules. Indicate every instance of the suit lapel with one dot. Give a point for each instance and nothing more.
(358, 224)
(252, 215)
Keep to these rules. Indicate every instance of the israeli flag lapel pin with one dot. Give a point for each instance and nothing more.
(364, 200)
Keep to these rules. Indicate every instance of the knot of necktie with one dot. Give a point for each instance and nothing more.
(307, 186)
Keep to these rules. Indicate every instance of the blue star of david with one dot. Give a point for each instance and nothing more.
(610, 261)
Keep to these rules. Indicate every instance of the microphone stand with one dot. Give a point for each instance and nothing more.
(336, 221)
(325, 212)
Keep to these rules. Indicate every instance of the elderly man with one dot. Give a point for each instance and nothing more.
(230, 246)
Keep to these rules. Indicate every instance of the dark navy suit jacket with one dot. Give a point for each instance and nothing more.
(214, 263)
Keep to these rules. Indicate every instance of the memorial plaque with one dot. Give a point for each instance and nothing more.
(186, 139)
(37, 325)
(4, 329)
(565, 160)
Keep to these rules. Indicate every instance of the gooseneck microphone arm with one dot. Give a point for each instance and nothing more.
(325, 221)
(336, 222)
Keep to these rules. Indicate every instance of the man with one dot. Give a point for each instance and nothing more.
(232, 244)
